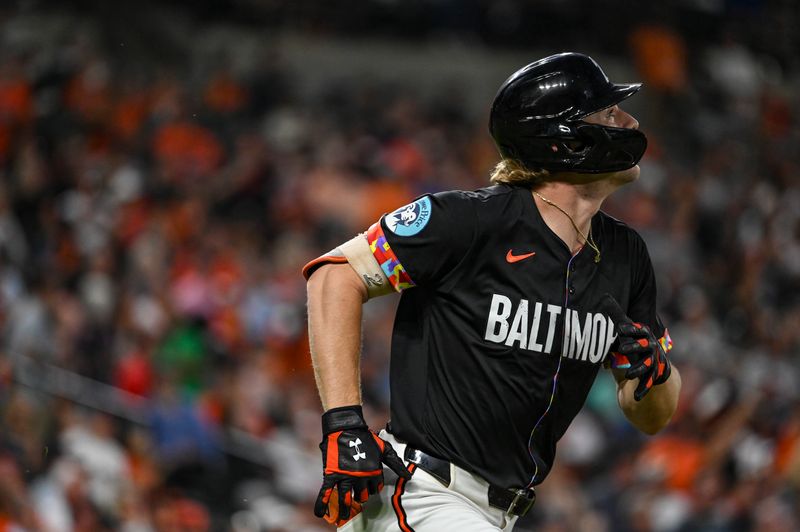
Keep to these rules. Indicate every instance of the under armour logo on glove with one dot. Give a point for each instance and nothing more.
(346, 474)
(637, 350)
(359, 454)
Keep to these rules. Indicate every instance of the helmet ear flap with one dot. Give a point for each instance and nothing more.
(567, 142)
(577, 147)
(611, 149)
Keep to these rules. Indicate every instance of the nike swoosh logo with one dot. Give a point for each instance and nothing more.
(511, 258)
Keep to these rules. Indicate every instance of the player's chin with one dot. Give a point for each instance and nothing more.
(627, 176)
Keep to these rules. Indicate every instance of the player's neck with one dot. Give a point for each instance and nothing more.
(579, 202)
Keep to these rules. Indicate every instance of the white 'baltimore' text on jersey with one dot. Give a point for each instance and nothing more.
(532, 326)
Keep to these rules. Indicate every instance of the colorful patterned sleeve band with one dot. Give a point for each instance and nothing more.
(666, 342)
(394, 271)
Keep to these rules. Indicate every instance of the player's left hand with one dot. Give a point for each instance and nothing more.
(637, 350)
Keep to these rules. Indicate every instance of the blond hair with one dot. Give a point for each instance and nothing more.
(513, 172)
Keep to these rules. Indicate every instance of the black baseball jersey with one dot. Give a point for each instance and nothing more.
(498, 337)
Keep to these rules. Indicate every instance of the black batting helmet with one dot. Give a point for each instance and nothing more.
(536, 118)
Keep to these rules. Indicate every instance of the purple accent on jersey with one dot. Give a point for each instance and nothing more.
(555, 381)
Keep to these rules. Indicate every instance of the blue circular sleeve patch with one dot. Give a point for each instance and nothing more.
(410, 219)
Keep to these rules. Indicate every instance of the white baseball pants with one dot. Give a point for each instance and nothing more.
(423, 504)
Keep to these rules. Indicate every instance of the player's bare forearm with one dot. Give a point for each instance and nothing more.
(654, 411)
(335, 298)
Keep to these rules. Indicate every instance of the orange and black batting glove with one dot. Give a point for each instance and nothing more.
(636, 350)
(352, 458)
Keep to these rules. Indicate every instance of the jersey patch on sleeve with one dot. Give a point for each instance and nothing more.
(410, 219)
(394, 271)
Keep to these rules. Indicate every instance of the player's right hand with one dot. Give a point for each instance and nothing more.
(352, 458)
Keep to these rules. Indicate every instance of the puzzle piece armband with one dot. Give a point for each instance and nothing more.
(357, 253)
(361, 259)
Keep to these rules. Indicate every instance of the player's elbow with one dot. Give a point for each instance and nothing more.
(652, 428)
(334, 278)
(647, 417)
(650, 422)
(655, 410)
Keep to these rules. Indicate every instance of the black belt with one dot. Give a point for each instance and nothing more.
(513, 502)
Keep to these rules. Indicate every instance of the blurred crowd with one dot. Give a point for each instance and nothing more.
(153, 223)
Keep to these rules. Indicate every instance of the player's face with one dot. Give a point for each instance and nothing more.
(616, 117)
(613, 117)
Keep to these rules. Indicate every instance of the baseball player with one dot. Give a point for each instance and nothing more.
(513, 298)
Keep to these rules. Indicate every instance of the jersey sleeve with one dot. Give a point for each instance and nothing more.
(420, 243)
(642, 304)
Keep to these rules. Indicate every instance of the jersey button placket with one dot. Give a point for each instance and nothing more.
(571, 289)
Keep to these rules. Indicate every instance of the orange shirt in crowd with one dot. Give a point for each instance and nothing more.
(187, 149)
(678, 459)
(16, 109)
(224, 95)
(16, 101)
(660, 56)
